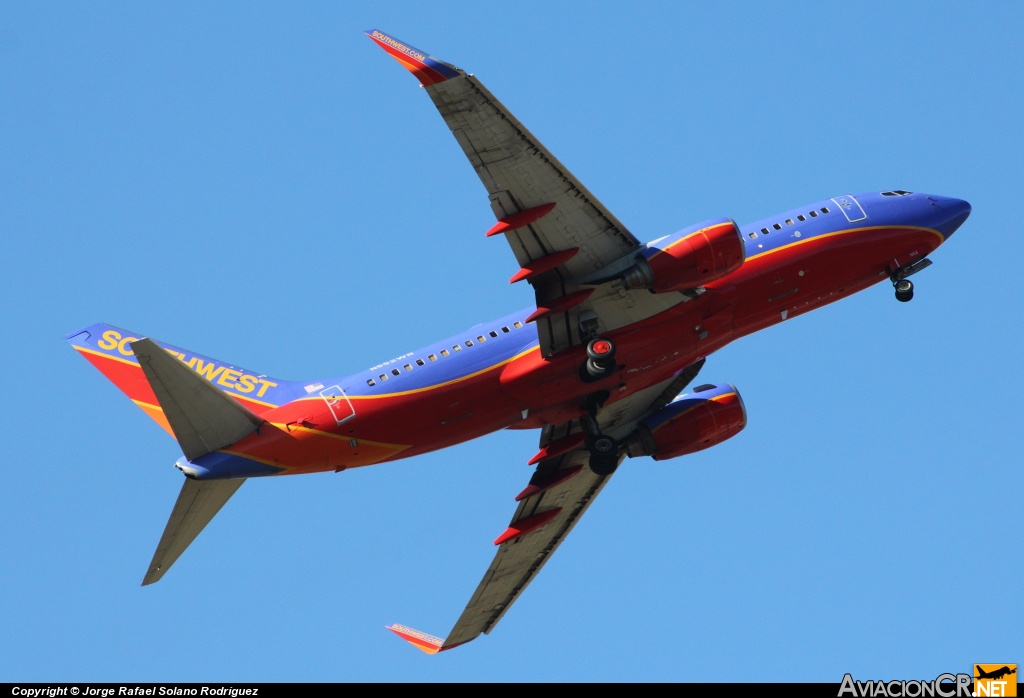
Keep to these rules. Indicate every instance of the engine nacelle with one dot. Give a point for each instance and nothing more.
(690, 258)
(690, 423)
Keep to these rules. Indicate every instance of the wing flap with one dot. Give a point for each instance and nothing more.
(198, 502)
(519, 560)
(519, 173)
(560, 492)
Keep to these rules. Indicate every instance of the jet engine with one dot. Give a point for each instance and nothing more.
(689, 258)
(690, 423)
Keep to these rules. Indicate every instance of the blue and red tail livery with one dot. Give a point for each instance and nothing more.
(428, 69)
(599, 365)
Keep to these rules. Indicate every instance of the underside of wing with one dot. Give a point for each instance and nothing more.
(557, 496)
(561, 490)
(198, 502)
(558, 230)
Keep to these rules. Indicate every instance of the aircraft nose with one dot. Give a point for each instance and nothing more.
(953, 213)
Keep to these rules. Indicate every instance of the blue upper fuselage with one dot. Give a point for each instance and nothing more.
(871, 209)
(485, 345)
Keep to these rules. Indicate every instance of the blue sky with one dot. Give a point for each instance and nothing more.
(260, 183)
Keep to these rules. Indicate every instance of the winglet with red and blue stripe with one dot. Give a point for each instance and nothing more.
(420, 640)
(428, 69)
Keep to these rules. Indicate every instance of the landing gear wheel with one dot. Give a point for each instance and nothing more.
(604, 455)
(600, 359)
(904, 290)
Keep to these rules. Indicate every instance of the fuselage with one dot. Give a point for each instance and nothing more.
(493, 375)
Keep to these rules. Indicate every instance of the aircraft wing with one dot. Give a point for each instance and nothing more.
(560, 491)
(558, 231)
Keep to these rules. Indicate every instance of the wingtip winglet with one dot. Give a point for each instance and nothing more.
(419, 640)
(428, 69)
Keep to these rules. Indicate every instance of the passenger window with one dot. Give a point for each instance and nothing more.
(456, 347)
(801, 218)
(395, 372)
(383, 376)
(824, 210)
(493, 333)
(505, 330)
(752, 235)
(776, 226)
(408, 367)
(469, 343)
(814, 214)
(764, 231)
(419, 362)
(517, 325)
(481, 338)
(789, 221)
(371, 382)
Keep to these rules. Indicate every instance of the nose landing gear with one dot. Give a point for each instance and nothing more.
(898, 276)
(904, 290)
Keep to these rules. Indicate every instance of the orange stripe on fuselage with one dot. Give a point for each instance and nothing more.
(823, 236)
(702, 231)
(435, 386)
(130, 380)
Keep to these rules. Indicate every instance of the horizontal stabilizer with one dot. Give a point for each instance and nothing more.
(198, 502)
(202, 417)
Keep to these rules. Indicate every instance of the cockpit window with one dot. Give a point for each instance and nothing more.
(896, 192)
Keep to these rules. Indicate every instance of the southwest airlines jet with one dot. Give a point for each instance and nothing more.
(599, 366)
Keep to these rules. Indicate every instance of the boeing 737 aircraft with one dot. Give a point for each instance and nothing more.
(598, 366)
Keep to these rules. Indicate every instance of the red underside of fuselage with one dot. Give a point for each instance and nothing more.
(765, 290)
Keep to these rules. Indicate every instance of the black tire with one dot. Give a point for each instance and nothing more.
(904, 290)
(595, 371)
(604, 464)
(603, 445)
(600, 361)
(601, 351)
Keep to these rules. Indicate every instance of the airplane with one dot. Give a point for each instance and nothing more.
(995, 673)
(598, 365)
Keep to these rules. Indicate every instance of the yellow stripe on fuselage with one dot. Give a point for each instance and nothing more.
(845, 232)
(437, 385)
(136, 365)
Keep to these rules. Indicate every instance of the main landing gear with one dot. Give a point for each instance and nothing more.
(604, 450)
(600, 361)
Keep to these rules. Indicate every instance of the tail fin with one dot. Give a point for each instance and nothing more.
(195, 409)
(108, 348)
